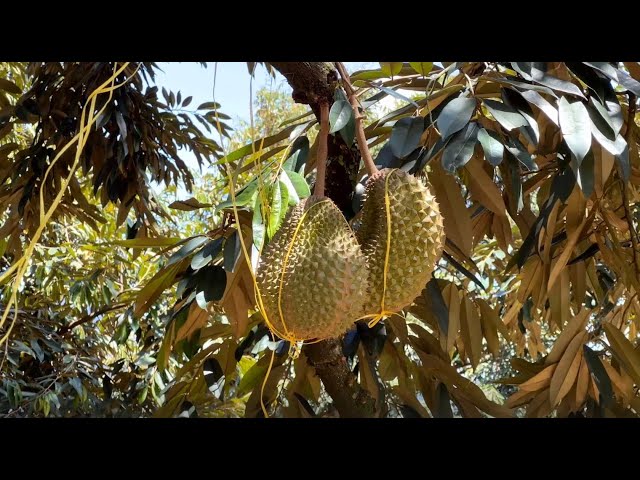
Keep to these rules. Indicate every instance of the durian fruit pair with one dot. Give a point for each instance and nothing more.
(316, 277)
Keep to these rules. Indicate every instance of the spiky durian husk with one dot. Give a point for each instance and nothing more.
(325, 277)
(417, 239)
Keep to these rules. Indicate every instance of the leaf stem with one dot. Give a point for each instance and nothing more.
(360, 135)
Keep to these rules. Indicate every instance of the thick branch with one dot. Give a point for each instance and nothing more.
(349, 398)
(313, 83)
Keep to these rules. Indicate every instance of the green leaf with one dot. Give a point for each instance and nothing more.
(232, 252)
(518, 103)
(145, 242)
(516, 181)
(600, 119)
(455, 115)
(208, 106)
(576, 127)
(523, 86)
(520, 152)
(154, 288)
(605, 68)
(145, 361)
(539, 101)
(395, 94)
(299, 154)
(243, 198)
(187, 101)
(293, 197)
(122, 126)
(257, 145)
(536, 71)
(423, 68)
(367, 75)
(629, 83)
(251, 379)
(348, 133)
(257, 225)
(492, 146)
(391, 69)
(585, 176)
(187, 249)
(623, 160)
(458, 266)
(212, 280)
(435, 304)
(460, 149)
(299, 184)
(591, 78)
(76, 384)
(444, 402)
(600, 376)
(189, 205)
(284, 201)
(405, 136)
(339, 115)
(506, 116)
(617, 75)
(275, 200)
(207, 254)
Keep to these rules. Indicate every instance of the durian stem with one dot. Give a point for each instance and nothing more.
(361, 137)
(321, 163)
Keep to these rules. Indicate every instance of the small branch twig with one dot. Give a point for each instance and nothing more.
(323, 150)
(88, 318)
(362, 139)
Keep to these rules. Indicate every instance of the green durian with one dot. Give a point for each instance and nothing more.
(416, 240)
(324, 285)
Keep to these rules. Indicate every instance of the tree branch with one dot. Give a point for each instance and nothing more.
(313, 83)
(88, 318)
(360, 135)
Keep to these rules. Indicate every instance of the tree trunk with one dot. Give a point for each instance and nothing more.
(312, 82)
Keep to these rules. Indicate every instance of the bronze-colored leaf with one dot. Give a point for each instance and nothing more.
(571, 330)
(483, 188)
(567, 370)
(471, 330)
(457, 223)
(196, 319)
(624, 351)
(452, 299)
(540, 381)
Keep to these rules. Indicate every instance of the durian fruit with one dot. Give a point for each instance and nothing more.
(416, 240)
(322, 290)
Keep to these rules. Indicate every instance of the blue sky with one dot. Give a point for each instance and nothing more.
(232, 87)
(232, 83)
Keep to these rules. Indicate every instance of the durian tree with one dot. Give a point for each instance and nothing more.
(489, 222)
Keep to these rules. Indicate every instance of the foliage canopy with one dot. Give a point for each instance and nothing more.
(142, 303)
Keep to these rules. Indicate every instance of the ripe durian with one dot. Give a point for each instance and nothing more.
(414, 246)
(322, 290)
